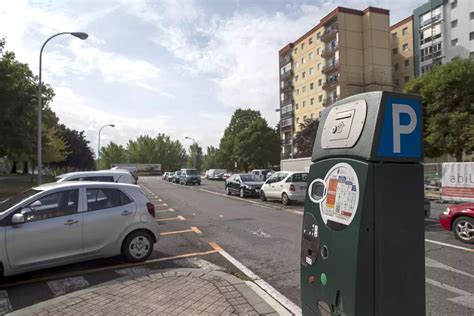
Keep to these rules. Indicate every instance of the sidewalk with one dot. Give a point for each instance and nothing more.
(168, 292)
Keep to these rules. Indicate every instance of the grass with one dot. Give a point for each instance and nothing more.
(11, 184)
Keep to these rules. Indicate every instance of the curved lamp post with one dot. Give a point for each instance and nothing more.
(195, 142)
(79, 35)
(98, 146)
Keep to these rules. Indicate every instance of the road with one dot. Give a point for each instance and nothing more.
(203, 227)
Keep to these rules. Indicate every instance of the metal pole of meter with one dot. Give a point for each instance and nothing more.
(79, 35)
(98, 145)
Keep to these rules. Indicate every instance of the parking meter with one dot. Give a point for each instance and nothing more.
(362, 249)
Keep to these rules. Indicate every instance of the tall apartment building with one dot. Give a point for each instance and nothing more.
(348, 52)
(403, 64)
(444, 29)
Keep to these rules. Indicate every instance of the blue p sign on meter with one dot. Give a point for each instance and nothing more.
(401, 129)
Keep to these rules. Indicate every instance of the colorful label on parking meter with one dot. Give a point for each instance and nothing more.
(342, 195)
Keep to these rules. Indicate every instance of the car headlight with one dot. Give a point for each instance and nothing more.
(446, 212)
(248, 187)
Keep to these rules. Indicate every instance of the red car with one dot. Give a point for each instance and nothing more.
(460, 219)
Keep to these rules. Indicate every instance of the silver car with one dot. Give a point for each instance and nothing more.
(119, 176)
(62, 223)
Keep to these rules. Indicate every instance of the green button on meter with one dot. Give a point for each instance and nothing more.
(324, 279)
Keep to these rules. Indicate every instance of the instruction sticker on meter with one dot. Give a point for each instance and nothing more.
(342, 196)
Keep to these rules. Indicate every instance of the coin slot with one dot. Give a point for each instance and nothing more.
(324, 252)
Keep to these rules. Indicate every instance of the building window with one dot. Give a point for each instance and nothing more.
(296, 50)
(311, 101)
(296, 64)
(454, 42)
(303, 74)
(394, 35)
(296, 106)
(406, 62)
(311, 86)
(320, 98)
(302, 46)
(297, 92)
(405, 47)
(304, 103)
(297, 120)
(310, 41)
(318, 51)
(471, 36)
(319, 66)
(472, 15)
(310, 56)
(302, 60)
(407, 78)
(395, 51)
(320, 82)
(471, 55)
(454, 4)
(304, 118)
(312, 115)
(454, 23)
(395, 67)
(318, 35)
(405, 31)
(397, 82)
(304, 90)
(311, 71)
(296, 78)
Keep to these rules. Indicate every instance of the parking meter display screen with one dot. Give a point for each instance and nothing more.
(342, 197)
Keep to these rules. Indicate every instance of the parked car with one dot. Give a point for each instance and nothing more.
(244, 184)
(132, 169)
(459, 219)
(285, 186)
(262, 173)
(206, 175)
(166, 175)
(427, 208)
(118, 176)
(62, 223)
(176, 176)
(189, 176)
(227, 175)
(216, 174)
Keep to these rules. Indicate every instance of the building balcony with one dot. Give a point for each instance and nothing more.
(286, 124)
(431, 20)
(330, 67)
(329, 33)
(329, 51)
(287, 86)
(331, 82)
(329, 101)
(430, 39)
(287, 114)
(286, 75)
(286, 101)
(286, 141)
(285, 60)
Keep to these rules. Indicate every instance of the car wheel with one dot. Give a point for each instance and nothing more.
(137, 247)
(227, 190)
(199, 183)
(285, 199)
(463, 228)
(242, 192)
(262, 196)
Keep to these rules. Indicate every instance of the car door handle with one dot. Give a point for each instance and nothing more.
(125, 213)
(71, 222)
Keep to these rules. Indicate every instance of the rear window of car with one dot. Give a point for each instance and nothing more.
(298, 177)
(103, 198)
(5, 204)
(191, 172)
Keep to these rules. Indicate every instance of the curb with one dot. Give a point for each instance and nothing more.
(263, 305)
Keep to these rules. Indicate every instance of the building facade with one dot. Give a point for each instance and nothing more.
(348, 52)
(403, 64)
(444, 30)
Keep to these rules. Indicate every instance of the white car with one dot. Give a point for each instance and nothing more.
(285, 186)
(118, 176)
(61, 223)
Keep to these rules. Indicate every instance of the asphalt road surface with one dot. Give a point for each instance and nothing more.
(265, 237)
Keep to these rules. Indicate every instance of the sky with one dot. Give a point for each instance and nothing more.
(175, 67)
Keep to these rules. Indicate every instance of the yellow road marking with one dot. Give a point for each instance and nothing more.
(196, 230)
(181, 218)
(160, 200)
(177, 232)
(164, 204)
(161, 211)
(215, 246)
(171, 209)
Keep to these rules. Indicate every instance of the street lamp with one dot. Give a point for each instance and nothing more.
(195, 157)
(98, 146)
(80, 35)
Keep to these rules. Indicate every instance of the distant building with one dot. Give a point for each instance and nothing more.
(444, 29)
(402, 53)
(348, 52)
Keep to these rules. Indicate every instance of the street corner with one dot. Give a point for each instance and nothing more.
(171, 291)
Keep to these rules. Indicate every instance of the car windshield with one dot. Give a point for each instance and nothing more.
(250, 178)
(191, 172)
(299, 177)
(11, 201)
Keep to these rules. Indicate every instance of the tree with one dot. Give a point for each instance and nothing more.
(257, 146)
(241, 119)
(304, 139)
(447, 93)
(113, 153)
(210, 160)
(195, 158)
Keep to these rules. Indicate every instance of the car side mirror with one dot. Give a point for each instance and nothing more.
(18, 219)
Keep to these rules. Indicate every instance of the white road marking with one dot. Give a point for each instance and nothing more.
(280, 298)
(261, 233)
(64, 286)
(449, 245)
(436, 264)
(254, 202)
(464, 298)
(132, 270)
(5, 305)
